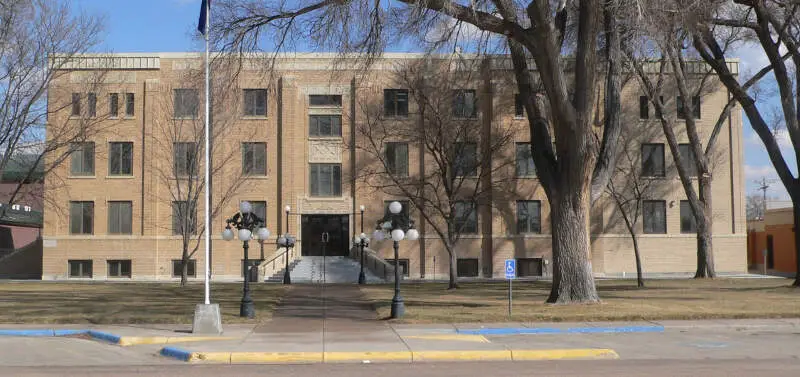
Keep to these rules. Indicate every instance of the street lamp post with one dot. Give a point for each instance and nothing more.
(245, 221)
(289, 241)
(361, 240)
(399, 229)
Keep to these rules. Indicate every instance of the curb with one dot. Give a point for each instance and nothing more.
(396, 357)
(112, 338)
(555, 330)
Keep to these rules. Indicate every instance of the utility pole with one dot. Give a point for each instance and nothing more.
(763, 185)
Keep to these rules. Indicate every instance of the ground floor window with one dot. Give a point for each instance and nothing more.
(253, 268)
(529, 267)
(119, 268)
(177, 268)
(403, 265)
(467, 267)
(80, 268)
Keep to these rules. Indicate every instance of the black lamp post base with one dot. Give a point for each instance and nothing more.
(398, 307)
(287, 278)
(362, 278)
(247, 309)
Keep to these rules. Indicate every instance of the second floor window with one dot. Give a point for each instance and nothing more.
(120, 158)
(76, 104)
(397, 159)
(395, 102)
(687, 155)
(325, 125)
(525, 166)
(644, 107)
(92, 98)
(113, 105)
(465, 103)
(184, 218)
(325, 179)
(130, 102)
(519, 107)
(185, 161)
(185, 103)
(688, 222)
(653, 160)
(255, 102)
(120, 217)
(465, 218)
(654, 215)
(81, 217)
(254, 158)
(82, 159)
(260, 209)
(529, 216)
(465, 159)
(695, 107)
(327, 100)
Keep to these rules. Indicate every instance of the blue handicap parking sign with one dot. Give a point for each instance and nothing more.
(511, 268)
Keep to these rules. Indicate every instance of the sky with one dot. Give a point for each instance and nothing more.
(170, 26)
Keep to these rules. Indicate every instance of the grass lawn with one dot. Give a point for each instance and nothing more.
(118, 303)
(621, 300)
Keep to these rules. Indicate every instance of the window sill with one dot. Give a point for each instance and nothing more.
(118, 277)
(81, 177)
(80, 278)
(259, 177)
(186, 118)
(254, 117)
(120, 177)
(325, 106)
(464, 118)
(325, 138)
(519, 117)
(395, 117)
(324, 198)
(526, 176)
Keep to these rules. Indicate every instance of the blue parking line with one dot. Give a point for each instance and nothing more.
(111, 338)
(555, 330)
(176, 353)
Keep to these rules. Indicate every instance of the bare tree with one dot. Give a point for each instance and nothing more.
(39, 41)
(561, 40)
(772, 25)
(460, 156)
(178, 134)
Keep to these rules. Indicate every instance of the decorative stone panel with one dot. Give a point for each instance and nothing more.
(325, 206)
(325, 151)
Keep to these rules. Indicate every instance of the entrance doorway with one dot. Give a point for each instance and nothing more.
(770, 253)
(337, 228)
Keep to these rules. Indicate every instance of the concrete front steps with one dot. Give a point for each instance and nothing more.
(329, 270)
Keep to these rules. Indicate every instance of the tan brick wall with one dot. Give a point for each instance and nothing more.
(152, 246)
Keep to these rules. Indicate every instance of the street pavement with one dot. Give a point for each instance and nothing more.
(335, 325)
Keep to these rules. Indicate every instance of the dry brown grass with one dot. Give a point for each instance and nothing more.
(621, 301)
(117, 303)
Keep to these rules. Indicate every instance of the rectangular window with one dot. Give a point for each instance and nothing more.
(81, 217)
(130, 101)
(403, 265)
(465, 103)
(177, 268)
(186, 102)
(644, 107)
(655, 216)
(80, 268)
(466, 218)
(92, 98)
(465, 159)
(185, 159)
(653, 160)
(82, 159)
(325, 125)
(688, 222)
(529, 267)
(395, 102)
(254, 158)
(687, 155)
(525, 166)
(519, 107)
(404, 213)
(397, 159)
(113, 105)
(695, 107)
(255, 102)
(120, 158)
(325, 100)
(120, 217)
(326, 179)
(76, 104)
(529, 216)
(184, 218)
(260, 210)
(119, 268)
(467, 267)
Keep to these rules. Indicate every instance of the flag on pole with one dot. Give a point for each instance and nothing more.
(202, 25)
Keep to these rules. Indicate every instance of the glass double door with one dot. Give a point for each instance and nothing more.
(316, 229)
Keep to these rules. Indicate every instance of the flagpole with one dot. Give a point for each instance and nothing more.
(207, 166)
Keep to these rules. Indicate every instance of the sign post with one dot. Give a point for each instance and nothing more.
(511, 274)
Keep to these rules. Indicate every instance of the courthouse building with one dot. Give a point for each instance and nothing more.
(289, 137)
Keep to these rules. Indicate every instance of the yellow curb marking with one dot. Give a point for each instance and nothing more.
(461, 355)
(368, 356)
(457, 337)
(136, 340)
(276, 357)
(564, 354)
(214, 357)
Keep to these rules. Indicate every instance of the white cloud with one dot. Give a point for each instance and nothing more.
(754, 174)
(781, 136)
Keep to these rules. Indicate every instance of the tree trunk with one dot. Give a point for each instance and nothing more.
(796, 211)
(453, 284)
(184, 265)
(572, 271)
(639, 278)
(705, 250)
